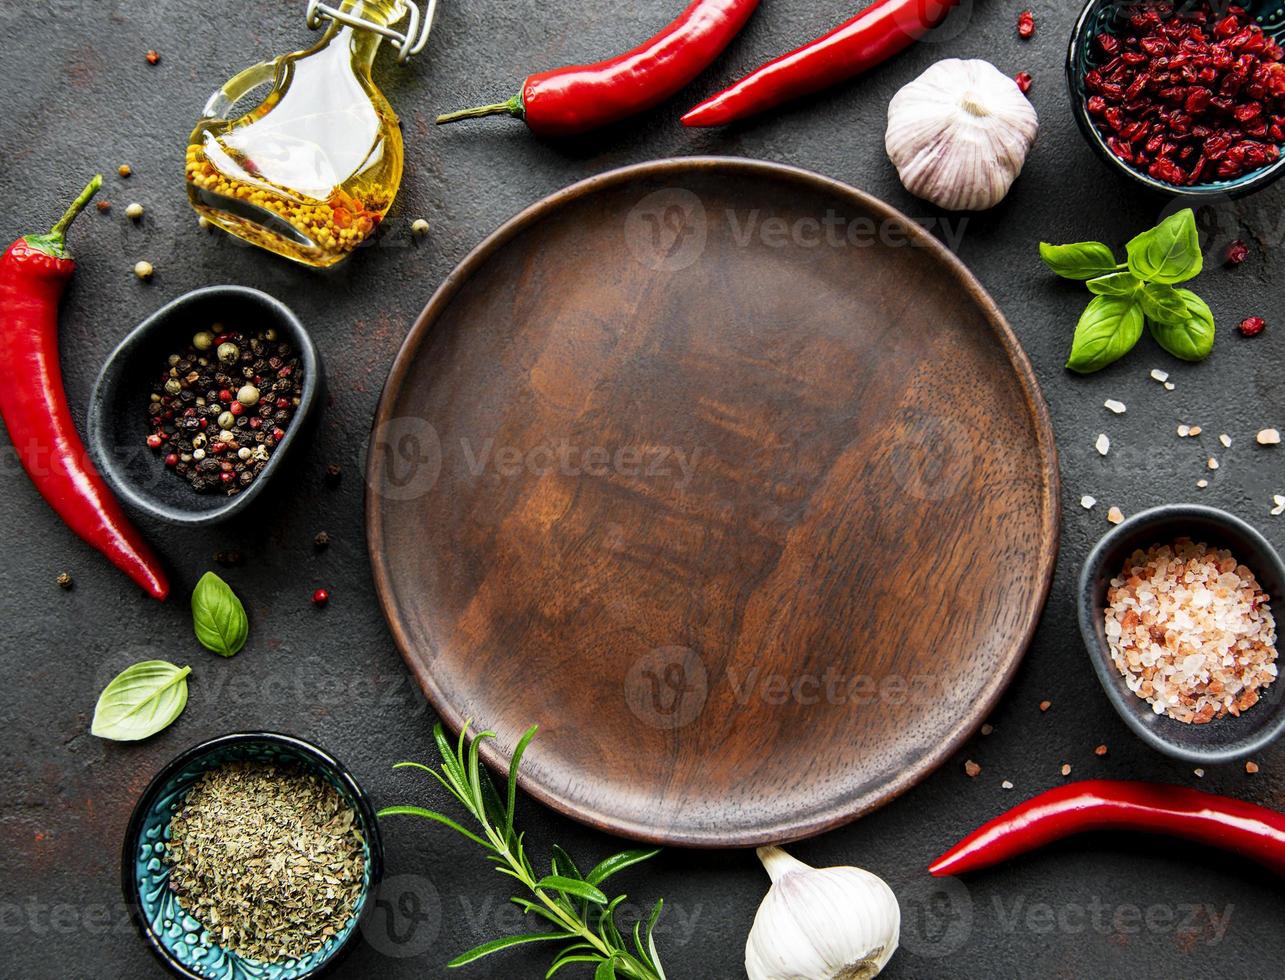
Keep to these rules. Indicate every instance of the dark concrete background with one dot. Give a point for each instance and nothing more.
(79, 97)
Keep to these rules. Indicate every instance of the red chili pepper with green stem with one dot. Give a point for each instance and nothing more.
(1103, 804)
(885, 28)
(33, 274)
(579, 98)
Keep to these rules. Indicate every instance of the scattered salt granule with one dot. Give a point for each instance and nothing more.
(1184, 431)
(1066, 769)
(1201, 484)
(1158, 375)
(1225, 439)
(1115, 515)
(1200, 773)
(1111, 405)
(1169, 386)
(1194, 431)
(1268, 437)
(1006, 785)
(1191, 632)
(1103, 444)
(1279, 501)
(1088, 502)
(972, 769)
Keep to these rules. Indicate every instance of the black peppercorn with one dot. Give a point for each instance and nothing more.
(322, 540)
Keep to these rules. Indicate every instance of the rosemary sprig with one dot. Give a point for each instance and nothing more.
(581, 914)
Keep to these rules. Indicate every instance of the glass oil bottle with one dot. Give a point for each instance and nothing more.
(311, 170)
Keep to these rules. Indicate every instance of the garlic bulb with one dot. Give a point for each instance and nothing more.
(821, 923)
(958, 134)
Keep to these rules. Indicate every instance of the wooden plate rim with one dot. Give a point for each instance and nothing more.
(841, 811)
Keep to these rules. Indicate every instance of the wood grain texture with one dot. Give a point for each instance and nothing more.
(729, 477)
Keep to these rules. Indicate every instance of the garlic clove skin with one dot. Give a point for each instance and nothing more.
(821, 923)
(959, 134)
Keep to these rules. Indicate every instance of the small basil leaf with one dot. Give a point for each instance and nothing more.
(140, 701)
(1081, 260)
(1164, 304)
(1115, 284)
(1109, 328)
(1168, 253)
(1193, 338)
(218, 616)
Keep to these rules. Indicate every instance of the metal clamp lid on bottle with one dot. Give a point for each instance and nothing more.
(409, 42)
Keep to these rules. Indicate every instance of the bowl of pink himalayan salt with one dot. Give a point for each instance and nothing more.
(1178, 610)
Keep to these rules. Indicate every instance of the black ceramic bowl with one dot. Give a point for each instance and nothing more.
(1101, 17)
(177, 939)
(118, 427)
(1224, 739)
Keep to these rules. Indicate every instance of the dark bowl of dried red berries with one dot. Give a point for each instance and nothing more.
(1185, 97)
(199, 406)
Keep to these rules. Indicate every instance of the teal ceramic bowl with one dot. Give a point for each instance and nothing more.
(1103, 17)
(179, 940)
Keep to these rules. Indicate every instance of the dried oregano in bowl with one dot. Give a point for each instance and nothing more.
(268, 857)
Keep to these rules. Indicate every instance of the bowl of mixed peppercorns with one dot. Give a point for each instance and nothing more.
(198, 407)
(1186, 97)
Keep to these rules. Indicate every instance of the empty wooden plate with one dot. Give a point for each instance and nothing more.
(732, 479)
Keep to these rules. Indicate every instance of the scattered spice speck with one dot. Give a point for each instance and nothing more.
(1101, 750)
(321, 541)
(1279, 501)
(1212, 463)
(1252, 326)
(1113, 405)
(1202, 484)
(1066, 769)
(1103, 445)
(124, 170)
(1251, 767)
(64, 580)
(1237, 252)
(1268, 437)
(134, 211)
(153, 58)
(419, 227)
(1115, 515)
(972, 769)
(1198, 773)
(1088, 502)
(103, 206)
(987, 728)
(1045, 705)
(1026, 25)
(1184, 431)
(334, 474)
(1024, 81)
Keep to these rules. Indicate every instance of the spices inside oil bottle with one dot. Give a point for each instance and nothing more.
(311, 171)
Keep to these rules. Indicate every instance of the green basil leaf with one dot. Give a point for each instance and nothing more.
(1164, 304)
(1108, 330)
(218, 616)
(1168, 253)
(1115, 284)
(1193, 338)
(1081, 260)
(140, 701)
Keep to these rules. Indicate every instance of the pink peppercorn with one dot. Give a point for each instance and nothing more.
(155, 440)
(320, 597)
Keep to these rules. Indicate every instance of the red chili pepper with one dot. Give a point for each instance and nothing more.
(579, 98)
(885, 28)
(33, 273)
(1101, 804)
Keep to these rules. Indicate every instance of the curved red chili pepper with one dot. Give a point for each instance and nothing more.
(885, 28)
(579, 98)
(33, 273)
(1102, 804)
